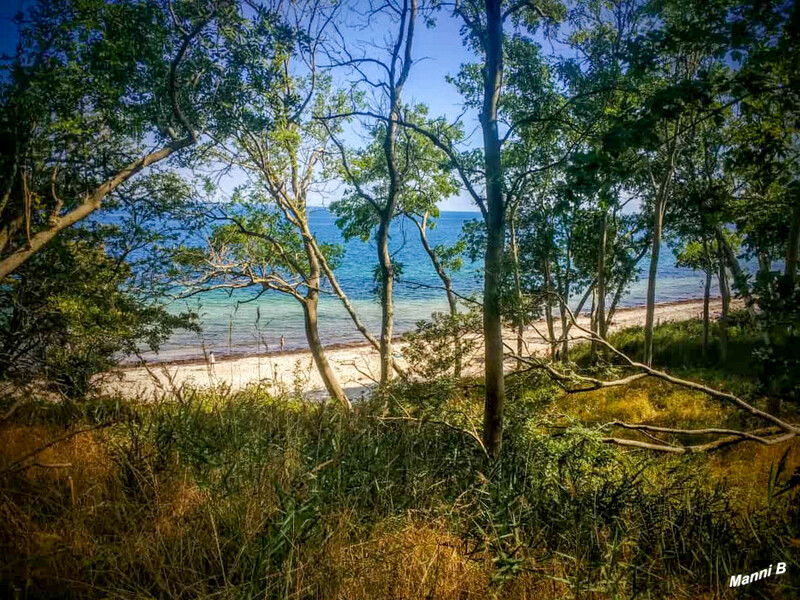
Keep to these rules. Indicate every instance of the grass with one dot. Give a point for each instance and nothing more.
(244, 495)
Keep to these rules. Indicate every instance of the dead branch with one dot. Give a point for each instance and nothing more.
(786, 430)
(709, 447)
(714, 393)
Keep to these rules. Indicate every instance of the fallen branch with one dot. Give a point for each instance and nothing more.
(751, 435)
(709, 447)
(790, 430)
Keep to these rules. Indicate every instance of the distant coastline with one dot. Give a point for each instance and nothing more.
(233, 325)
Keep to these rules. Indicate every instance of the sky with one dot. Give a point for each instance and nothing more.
(438, 52)
(8, 32)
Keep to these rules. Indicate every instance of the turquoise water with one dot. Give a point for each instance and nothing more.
(230, 327)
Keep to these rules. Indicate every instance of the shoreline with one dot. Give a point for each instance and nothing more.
(234, 356)
(356, 365)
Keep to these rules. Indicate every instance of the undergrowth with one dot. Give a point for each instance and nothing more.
(240, 495)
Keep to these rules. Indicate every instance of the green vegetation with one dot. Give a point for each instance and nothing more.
(238, 495)
(648, 463)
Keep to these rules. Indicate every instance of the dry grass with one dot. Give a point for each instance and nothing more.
(747, 469)
(121, 523)
(645, 401)
(164, 537)
(419, 560)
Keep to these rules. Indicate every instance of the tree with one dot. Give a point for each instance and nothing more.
(99, 92)
(377, 193)
(74, 310)
(265, 240)
(445, 260)
(392, 174)
(483, 29)
(704, 255)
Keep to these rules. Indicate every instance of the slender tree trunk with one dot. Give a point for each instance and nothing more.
(452, 301)
(563, 309)
(613, 308)
(495, 232)
(655, 250)
(517, 287)
(340, 293)
(620, 290)
(457, 354)
(792, 249)
(764, 263)
(601, 277)
(318, 353)
(548, 308)
(706, 313)
(564, 341)
(725, 292)
(387, 292)
(310, 314)
(593, 326)
(728, 256)
(600, 315)
(707, 299)
(590, 292)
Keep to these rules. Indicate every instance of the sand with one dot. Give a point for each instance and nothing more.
(356, 366)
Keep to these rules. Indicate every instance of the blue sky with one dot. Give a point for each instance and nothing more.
(438, 52)
(8, 32)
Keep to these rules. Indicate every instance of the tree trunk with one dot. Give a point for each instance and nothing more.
(337, 289)
(707, 299)
(593, 326)
(706, 315)
(792, 249)
(548, 309)
(310, 313)
(451, 300)
(90, 204)
(563, 309)
(764, 263)
(495, 233)
(517, 288)
(728, 256)
(600, 316)
(725, 292)
(601, 278)
(655, 250)
(318, 353)
(387, 291)
(448, 286)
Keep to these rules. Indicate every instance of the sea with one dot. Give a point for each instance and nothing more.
(239, 323)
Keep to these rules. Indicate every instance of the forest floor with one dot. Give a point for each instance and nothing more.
(248, 494)
(356, 366)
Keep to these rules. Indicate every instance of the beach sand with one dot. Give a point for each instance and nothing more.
(356, 366)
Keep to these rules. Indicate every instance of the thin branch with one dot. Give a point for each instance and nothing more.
(18, 465)
(466, 432)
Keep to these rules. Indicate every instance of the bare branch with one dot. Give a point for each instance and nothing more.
(466, 432)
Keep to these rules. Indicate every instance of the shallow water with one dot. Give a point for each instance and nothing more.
(232, 327)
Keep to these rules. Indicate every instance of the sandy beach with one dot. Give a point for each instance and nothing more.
(356, 366)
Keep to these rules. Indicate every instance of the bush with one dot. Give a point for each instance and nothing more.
(68, 314)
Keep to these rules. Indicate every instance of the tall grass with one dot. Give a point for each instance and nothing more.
(245, 495)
